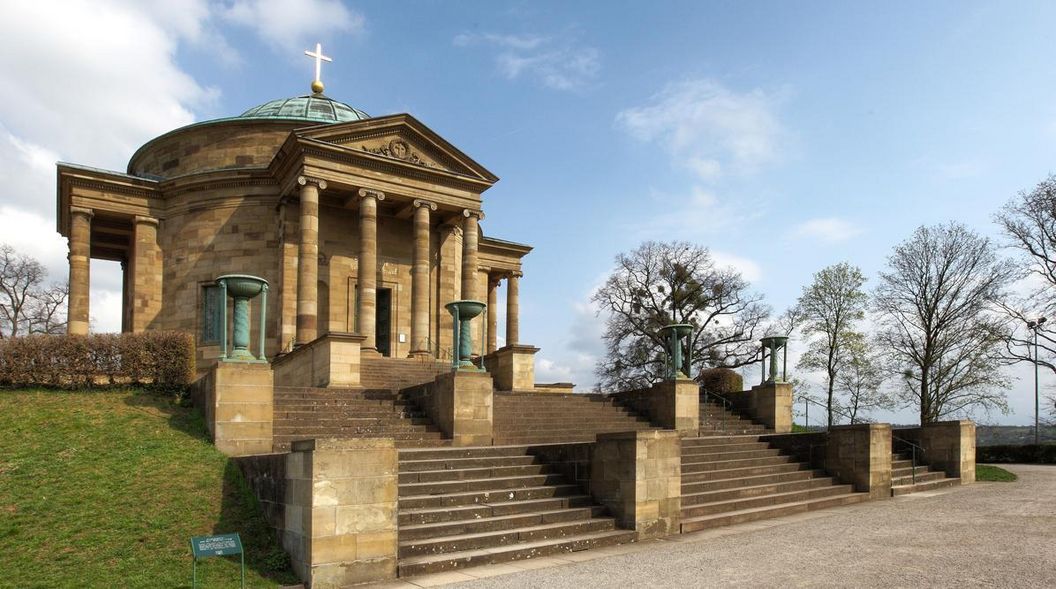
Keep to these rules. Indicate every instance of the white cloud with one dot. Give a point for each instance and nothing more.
(709, 128)
(827, 230)
(87, 82)
(749, 269)
(561, 65)
(290, 25)
(694, 214)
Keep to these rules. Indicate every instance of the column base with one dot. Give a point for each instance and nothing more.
(421, 354)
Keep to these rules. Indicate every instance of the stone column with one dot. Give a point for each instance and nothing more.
(420, 281)
(470, 239)
(80, 264)
(308, 261)
(493, 315)
(146, 273)
(368, 266)
(126, 297)
(513, 309)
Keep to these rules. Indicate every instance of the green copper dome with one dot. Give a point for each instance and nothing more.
(316, 108)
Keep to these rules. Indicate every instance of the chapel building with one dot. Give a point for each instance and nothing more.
(360, 224)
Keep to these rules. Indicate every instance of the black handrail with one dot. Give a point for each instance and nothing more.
(726, 404)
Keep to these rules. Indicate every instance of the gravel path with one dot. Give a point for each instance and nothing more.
(981, 535)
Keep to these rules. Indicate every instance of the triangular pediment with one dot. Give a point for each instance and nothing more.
(401, 138)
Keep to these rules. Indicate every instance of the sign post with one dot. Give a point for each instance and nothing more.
(220, 545)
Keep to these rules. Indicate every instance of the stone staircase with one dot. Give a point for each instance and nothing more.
(730, 476)
(462, 507)
(927, 478)
(302, 413)
(715, 420)
(396, 374)
(539, 418)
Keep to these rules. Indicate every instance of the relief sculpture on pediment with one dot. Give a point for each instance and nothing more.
(400, 150)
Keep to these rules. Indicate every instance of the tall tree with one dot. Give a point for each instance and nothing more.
(676, 282)
(861, 382)
(1028, 221)
(934, 308)
(26, 305)
(829, 309)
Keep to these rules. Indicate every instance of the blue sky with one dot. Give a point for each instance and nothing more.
(784, 136)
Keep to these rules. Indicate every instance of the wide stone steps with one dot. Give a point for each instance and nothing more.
(694, 524)
(725, 474)
(705, 486)
(694, 467)
(906, 479)
(717, 507)
(462, 507)
(520, 551)
(719, 440)
(717, 497)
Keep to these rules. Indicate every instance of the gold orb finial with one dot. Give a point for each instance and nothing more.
(317, 87)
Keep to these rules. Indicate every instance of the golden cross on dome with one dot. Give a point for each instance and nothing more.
(317, 84)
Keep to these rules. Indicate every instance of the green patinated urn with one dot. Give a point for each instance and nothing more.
(678, 354)
(463, 312)
(242, 288)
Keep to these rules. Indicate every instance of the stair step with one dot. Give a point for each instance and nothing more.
(413, 517)
(689, 497)
(703, 466)
(719, 507)
(427, 531)
(497, 538)
(464, 452)
(407, 466)
(435, 563)
(766, 512)
(905, 489)
(488, 496)
(488, 484)
(443, 475)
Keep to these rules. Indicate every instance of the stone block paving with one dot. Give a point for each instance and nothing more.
(980, 535)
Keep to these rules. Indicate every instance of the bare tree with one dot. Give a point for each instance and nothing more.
(26, 306)
(861, 382)
(663, 283)
(829, 308)
(936, 325)
(1029, 223)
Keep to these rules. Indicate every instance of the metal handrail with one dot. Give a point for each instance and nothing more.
(726, 404)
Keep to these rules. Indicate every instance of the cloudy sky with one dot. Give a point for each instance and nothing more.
(784, 136)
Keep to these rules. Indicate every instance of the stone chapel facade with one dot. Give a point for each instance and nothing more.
(365, 225)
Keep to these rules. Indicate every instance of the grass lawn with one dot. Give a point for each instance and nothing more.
(105, 489)
(985, 472)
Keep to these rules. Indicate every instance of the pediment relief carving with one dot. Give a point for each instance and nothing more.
(399, 148)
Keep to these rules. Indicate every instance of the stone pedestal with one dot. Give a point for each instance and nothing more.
(771, 404)
(461, 405)
(512, 367)
(340, 511)
(675, 404)
(950, 445)
(638, 476)
(861, 455)
(332, 360)
(238, 402)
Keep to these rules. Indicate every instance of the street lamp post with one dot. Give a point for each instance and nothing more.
(1035, 326)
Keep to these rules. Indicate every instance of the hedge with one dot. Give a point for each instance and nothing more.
(157, 358)
(1024, 454)
(721, 380)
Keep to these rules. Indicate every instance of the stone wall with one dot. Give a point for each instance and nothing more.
(265, 475)
(340, 511)
(238, 403)
(769, 403)
(670, 404)
(461, 404)
(948, 445)
(332, 360)
(638, 476)
(513, 368)
(860, 454)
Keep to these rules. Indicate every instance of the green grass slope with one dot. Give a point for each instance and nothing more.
(105, 489)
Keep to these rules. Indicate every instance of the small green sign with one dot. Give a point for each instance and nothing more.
(220, 545)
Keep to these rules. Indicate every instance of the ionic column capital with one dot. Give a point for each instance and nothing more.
(371, 193)
(418, 203)
(473, 213)
(82, 211)
(144, 220)
(514, 274)
(305, 180)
